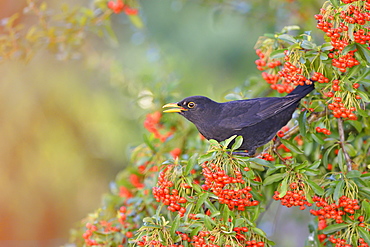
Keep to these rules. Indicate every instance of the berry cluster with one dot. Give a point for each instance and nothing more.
(154, 243)
(342, 62)
(237, 196)
(101, 227)
(319, 77)
(362, 36)
(340, 242)
(340, 111)
(267, 156)
(281, 133)
(175, 153)
(283, 77)
(118, 6)
(323, 130)
(169, 197)
(153, 125)
(293, 197)
(334, 211)
(265, 62)
(207, 238)
(353, 14)
(344, 26)
(293, 74)
(270, 78)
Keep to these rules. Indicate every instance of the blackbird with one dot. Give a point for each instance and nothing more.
(256, 120)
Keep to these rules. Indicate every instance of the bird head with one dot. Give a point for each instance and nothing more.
(192, 108)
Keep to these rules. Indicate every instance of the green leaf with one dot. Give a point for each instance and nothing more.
(195, 186)
(208, 222)
(261, 162)
(148, 220)
(335, 3)
(298, 166)
(364, 96)
(196, 230)
(274, 178)
(228, 141)
(283, 188)
(363, 52)
(365, 176)
(315, 164)
(256, 213)
(211, 207)
(366, 205)
(365, 190)
(356, 124)
(175, 225)
(353, 174)
(364, 234)
(307, 45)
(334, 228)
(202, 198)
(302, 120)
(258, 231)
(288, 38)
(323, 56)
(341, 160)
(338, 191)
(206, 157)
(277, 54)
(191, 163)
(214, 143)
(315, 187)
(290, 28)
(291, 146)
(326, 47)
(225, 213)
(238, 143)
(239, 222)
(317, 138)
(362, 113)
(326, 155)
(148, 142)
(349, 48)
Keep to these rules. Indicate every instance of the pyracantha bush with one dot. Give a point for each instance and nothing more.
(186, 194)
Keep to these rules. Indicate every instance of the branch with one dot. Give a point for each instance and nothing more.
(295, 129)
(342, 144)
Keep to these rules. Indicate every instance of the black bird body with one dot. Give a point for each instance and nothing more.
(257, 120)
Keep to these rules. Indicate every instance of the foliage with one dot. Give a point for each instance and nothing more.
(180, 192)
(62, 32)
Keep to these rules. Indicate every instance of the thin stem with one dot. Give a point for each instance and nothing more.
(342, 144)
(295, 129)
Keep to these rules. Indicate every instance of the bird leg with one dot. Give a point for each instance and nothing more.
(274, 149)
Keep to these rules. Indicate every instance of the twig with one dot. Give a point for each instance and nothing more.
(295, 129)
(342, 144)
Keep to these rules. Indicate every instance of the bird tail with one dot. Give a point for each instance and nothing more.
(303, 90)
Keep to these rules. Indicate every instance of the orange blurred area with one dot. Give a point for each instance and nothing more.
(61, 144)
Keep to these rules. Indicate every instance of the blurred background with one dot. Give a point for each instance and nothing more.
(67, 125)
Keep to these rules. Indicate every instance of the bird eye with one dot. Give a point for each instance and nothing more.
(191, 104)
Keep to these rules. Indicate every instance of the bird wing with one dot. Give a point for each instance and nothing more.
(244, 113)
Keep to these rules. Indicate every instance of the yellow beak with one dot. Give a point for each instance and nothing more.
(175, 108)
